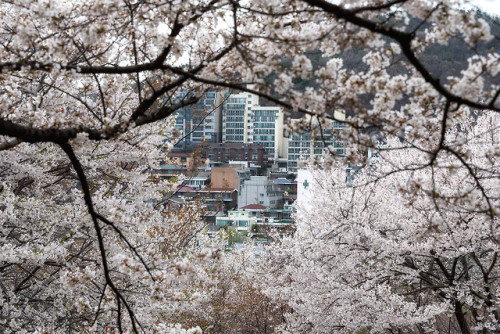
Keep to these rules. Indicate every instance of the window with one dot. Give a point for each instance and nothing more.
(237, 100)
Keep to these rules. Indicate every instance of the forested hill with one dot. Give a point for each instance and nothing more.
(442, 61)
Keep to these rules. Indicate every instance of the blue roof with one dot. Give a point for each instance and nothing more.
(282, 180)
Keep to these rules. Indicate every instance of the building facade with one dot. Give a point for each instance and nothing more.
(226, 152)
(246, 121)
(236, 114)
(267, 129)
(259, 190)
(200, 124)
(312, 144)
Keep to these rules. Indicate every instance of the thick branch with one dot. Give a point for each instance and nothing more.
(100, 239)
(404, 39)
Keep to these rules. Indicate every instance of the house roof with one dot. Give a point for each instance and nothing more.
(179, 154)
(236, 145)
(254, 207)
(202, 174)
(213, 214)
(171, 166)
(185, 189)
(282, 180)
(218, 190)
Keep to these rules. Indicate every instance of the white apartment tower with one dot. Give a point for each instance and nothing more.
(236, 114)
(246, 121)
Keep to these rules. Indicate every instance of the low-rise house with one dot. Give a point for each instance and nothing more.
(254, 210)
(219, 199)
(240, 220)
(224, 177)
(259, 190)
(256, 220)
(168, 171)
(199, 181)
(225, 152)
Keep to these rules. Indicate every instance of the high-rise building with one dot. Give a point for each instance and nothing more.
(246, 121)
(267, 129)
(200, 124)
(312, 144)
(236, 115)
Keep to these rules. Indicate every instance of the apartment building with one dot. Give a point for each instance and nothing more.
(312, 144)
(244, 120)
(220, 121)
(200, 124)
(236, 114)
(267, 129)
(237, 152)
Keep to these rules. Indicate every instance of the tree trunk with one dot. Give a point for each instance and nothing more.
(462, 322)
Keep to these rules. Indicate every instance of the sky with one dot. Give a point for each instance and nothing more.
(488, 6)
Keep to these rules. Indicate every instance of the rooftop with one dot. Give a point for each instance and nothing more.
(218, 190)
(185, 189)
(236, 145)
(254, 207)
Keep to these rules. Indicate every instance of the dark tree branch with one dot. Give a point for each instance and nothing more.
(404, 39)
(8, 144)
(100, 238)
(125, 240)
(386, 5)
